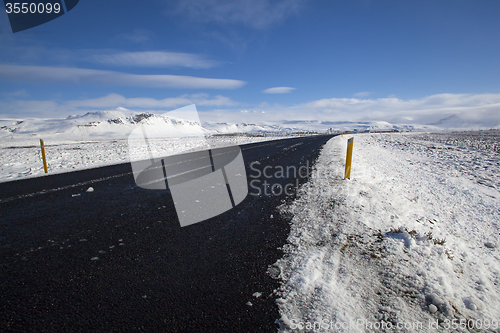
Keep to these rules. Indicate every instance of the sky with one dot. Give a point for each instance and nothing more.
(259, 60)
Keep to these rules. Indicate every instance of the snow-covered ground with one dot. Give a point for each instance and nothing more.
(99, 138)
(21, 158)
(410, 244)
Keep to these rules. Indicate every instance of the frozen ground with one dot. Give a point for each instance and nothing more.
(96, 138)
(409, 244)
(22, 157)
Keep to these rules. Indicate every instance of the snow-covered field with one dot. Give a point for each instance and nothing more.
(410, 244)
(98, 138)
(22, 157)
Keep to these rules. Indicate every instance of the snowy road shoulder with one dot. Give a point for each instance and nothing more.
(409, 243)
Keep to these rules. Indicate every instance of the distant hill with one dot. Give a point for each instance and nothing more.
(100, 124)
(120, 122)
(452, 121)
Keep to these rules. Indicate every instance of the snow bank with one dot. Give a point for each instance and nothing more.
(409, 244)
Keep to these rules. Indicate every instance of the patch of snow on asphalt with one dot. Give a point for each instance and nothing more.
(409, 244)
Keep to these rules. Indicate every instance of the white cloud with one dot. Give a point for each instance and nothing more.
(278, 90)
(47, 74)
(362, 94)
(21, 107)
(482, 108)
(258, 14)
(43, 108)
(155, 59)
(115, 100)
(18, 93)
(138, 36)
(66, 57)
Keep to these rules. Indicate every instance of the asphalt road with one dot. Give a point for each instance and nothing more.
(117, 260)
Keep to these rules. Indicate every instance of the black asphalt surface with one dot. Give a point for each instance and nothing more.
(151, 275)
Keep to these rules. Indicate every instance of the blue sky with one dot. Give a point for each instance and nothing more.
(251, 60)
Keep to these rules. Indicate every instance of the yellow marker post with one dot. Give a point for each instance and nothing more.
(42, 146)
(348, 160)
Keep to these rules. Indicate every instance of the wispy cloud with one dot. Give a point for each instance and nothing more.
(49, 108)
(112, 101)
(34, 55)
(16, 94)
(155, 59)
(258, 14)
(362, 94)
(278, 90)
(137, 36)
(46, 74)
(31, 108)
(481, 108)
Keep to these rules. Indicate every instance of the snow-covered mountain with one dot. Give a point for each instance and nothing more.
(101, 124)
(319, 125)
(226, 128)
(312, 125)
(452, 122)
(120, 122)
